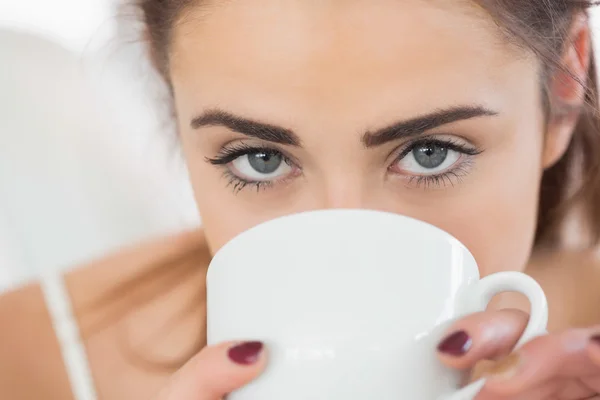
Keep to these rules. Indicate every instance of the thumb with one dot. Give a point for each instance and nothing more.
(216, 371)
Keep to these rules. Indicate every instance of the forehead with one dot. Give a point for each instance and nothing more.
(338, 53)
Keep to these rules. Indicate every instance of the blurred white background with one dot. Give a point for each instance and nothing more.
(70, 22)
(87, 160)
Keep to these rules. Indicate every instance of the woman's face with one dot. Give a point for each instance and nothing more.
(413, 107)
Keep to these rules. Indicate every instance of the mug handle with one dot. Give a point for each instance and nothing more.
(482, 292)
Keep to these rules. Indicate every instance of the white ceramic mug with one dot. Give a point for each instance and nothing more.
(352, 304)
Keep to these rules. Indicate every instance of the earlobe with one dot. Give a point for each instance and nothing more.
(567, 91)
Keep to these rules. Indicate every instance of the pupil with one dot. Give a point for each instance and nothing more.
(265, 163)
(430, 155)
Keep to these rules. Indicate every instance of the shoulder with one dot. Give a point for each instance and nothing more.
(31, 363)
(571, 280)
(101, 276)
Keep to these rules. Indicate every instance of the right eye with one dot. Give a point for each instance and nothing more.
(261, 166)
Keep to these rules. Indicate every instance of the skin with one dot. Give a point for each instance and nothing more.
(351, 76)
(332, 71)
(328, 73)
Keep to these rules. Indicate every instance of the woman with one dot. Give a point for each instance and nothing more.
(476, 116)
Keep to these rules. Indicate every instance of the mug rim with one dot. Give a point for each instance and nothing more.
(349, 211)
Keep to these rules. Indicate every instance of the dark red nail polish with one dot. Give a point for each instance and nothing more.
(245, 353)
(595, 339)
(457, 344)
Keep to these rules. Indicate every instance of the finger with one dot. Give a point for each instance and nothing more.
(594, 347)
(543, 360)
(593, 351)
(481, 336)
(543, 392)
(217, 371)
(575, 389)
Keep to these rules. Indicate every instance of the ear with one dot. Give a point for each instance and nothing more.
(567, 91)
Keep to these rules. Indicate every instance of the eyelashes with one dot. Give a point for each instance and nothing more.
(449, 162)
(231, 153)
(448, 143)
(251, 166)
(423, 163)
(449, 178)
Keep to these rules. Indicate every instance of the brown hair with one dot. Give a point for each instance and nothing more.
(542, 27)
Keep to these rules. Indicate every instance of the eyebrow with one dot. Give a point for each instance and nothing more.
(419, 125)
(248, 127)
(399, 130)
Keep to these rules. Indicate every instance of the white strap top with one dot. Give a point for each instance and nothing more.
(75, 358)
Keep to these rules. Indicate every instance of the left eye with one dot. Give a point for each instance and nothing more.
(261, 166)
(428, 159)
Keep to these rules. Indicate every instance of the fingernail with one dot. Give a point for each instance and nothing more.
(456, 344)
(505, 368)
(595, 339)
(246, 353)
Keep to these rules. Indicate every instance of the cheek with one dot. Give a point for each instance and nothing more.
(497, 218)
(221, 224)
(499, 226)
(493, 212)
(224, 215)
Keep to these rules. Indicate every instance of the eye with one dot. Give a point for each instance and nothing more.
(260, 165)
(428, 158)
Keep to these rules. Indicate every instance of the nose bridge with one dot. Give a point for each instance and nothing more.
(346, 190)
(360, 192)
(347, 179)
(345, 197)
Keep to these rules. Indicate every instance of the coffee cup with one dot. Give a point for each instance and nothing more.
(351, 305)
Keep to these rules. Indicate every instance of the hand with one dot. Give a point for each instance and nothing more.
(216, 371)
(561, 366)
